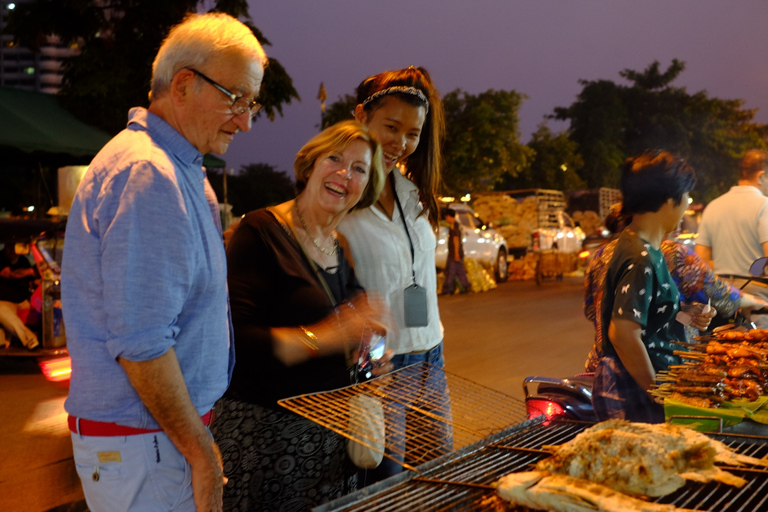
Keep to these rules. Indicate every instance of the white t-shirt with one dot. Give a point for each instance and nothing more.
(382, 258)
(735, 225)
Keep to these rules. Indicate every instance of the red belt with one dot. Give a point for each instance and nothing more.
(103, 429)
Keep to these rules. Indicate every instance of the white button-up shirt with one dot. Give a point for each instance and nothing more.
(383, 263)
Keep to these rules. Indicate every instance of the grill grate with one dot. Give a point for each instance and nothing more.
(439, 422)
(460, 481)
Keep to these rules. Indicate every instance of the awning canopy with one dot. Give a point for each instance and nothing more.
(34, 121)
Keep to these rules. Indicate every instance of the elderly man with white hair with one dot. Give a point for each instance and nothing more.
(144, 287)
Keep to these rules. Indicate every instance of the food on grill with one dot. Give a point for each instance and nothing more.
(643, 459)
(691, 400)
(559, 493)
(720, 371)
(754, 335)
(737, 350)
(691, 377)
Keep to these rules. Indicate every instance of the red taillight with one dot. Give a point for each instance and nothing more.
(57, 370)
(536, 242)
(537, 407)
(584, 255)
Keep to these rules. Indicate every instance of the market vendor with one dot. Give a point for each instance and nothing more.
(641, 303)
(16, 276)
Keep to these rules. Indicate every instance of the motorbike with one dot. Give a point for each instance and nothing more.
(571, 398)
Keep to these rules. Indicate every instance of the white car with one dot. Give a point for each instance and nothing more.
(481, 243)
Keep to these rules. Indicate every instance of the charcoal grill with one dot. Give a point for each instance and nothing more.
(463, 481)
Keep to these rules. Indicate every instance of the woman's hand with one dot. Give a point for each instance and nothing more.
(338, 333)
(383, 365)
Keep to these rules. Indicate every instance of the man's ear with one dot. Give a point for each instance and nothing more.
(180, 85)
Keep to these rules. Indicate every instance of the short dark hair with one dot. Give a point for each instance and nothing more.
(649, 180)
(449, 212)
(616, 221)
(753, 162)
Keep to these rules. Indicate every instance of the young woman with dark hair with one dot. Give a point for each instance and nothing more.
(393, 242)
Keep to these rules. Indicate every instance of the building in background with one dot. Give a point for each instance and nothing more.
(23, 69)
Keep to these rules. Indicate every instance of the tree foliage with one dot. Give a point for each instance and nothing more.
(554, 164)
(340, 110)
(256, 186)
(611, 122)
(481, 141)
(118, 40)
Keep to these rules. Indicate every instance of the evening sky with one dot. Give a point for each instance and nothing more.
(540, 48)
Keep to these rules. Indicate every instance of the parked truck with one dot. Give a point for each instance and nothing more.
(530, 220)
(589, 207)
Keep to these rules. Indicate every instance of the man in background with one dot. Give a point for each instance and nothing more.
(454, 265)
(734, 227)
(144, 287)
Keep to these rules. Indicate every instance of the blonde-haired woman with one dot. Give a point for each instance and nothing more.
(297, 309)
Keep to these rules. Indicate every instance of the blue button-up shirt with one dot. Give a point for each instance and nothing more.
(144, 270)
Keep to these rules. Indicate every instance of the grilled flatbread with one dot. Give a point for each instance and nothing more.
(559, 493)
(642, 459)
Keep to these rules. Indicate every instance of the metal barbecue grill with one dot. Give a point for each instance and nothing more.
(460, 447)
(464, 480)
(445, 413)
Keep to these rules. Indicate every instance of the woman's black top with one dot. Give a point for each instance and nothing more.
(272, 285)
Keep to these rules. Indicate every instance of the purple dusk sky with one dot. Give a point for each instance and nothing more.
(540, 48)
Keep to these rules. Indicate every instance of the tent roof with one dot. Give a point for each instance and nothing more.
(34, 121)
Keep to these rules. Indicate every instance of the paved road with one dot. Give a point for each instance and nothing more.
(519, 329)
(36, 468)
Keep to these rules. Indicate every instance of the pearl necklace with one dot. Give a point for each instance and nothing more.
(309, 234)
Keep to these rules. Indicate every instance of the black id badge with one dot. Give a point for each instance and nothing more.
(415, 303)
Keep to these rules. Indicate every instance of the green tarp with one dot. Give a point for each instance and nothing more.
(33, 121)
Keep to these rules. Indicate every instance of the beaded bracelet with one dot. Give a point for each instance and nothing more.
(310, 340)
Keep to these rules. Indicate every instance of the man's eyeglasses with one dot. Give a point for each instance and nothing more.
(239, 105)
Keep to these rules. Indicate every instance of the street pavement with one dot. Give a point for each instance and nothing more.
(36, 469)
(495, 338)
(499, 337)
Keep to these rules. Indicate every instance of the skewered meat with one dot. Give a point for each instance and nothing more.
(743, 388)
(726, 360)
(559, 493)
(642, 459)
(691, 400)
(715, 391)
(701, 369)
(695, 378)
(745, 372)
(754, 335)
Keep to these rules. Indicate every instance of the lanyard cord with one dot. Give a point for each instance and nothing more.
(405, 225)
